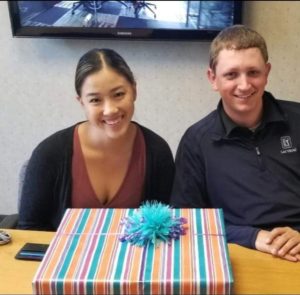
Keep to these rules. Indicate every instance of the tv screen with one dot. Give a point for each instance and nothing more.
(148, 20)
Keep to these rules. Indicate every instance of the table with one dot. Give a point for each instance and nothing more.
(254, 272)
(16, 275)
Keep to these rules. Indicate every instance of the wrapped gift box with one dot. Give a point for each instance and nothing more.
(87, 257)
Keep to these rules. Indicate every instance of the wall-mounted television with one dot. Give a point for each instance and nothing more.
(146, 20)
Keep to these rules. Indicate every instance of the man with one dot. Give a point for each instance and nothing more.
(244, 156)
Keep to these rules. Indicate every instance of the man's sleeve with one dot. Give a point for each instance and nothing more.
(241, 235)
(189, 189)
(189, 182)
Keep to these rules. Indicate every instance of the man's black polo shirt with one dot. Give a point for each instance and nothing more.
(253, 176)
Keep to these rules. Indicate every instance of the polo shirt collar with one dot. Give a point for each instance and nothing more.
(225, 127)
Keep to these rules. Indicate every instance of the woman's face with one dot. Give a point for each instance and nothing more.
(108, 101)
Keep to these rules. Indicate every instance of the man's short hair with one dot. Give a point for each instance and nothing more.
(236, 37)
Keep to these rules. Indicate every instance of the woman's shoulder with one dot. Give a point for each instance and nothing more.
(56, 142)
(150, 134)
(154, 140)
(60, 136)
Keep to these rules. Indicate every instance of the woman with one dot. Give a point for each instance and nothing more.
(107, 161)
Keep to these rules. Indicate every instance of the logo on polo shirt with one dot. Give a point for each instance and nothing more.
(286, 142)
(287, 145)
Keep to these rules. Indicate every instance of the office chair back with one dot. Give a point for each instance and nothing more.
(11, 220)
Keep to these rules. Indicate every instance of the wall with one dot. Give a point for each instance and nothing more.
(38, 97)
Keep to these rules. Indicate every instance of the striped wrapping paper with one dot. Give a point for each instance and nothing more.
(86, 257)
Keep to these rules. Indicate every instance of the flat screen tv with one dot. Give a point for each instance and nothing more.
(146, 20)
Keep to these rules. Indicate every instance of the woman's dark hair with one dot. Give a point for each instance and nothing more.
(94, 60)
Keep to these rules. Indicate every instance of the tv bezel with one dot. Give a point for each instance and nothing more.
(113, 33)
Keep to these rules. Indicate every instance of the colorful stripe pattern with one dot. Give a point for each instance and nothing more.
(86, 257)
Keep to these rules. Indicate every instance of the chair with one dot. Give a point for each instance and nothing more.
(91, 6)
(11, 220)
(139, 5)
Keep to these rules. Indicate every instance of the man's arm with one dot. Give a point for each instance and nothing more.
(283, 242)
(189, 189)
(189, 183)
(241, 235)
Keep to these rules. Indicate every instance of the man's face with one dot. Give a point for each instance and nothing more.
(240, 77)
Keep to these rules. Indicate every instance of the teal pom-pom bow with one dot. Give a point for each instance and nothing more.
(152, 223)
